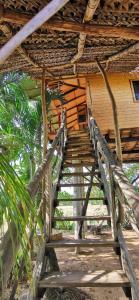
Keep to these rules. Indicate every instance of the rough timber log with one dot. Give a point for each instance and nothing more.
(128, 33)
(90, 10)
(41, 17)
(115, 112)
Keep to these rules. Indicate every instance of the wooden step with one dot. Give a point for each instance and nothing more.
(78, 143)
(100, 278)
(76, 174)
(79, 157)
(78, 184)
(82, 243)
(78, 132)
(82, 150)
(85, 218)
(78, 136)
(83, 164)
(81, 199)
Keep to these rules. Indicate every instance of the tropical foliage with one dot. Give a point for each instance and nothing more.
(20, 153)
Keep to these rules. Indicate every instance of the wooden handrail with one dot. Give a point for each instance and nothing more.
(125, 190)
(34, 184)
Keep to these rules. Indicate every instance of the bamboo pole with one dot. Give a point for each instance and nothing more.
(115, 113)
(90, 10)
(41, 17)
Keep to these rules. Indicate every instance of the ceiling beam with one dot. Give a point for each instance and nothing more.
(73, 85)
(124, 32)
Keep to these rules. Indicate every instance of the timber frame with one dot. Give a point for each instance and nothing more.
(63, 43)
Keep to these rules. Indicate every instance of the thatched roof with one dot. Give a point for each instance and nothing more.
(53, 48)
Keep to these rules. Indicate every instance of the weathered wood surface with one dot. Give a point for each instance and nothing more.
(84, 164)
(114, 110)
(81, 243)
(128, 193)
(46, 262)
(100, 278)
(99, 30)
(85, 204)
(41, 17)
(78, 184)
(40, 268)
(80, 218)
(77, 174)
(127, 266)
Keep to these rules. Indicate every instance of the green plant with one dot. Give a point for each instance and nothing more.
(62, 225)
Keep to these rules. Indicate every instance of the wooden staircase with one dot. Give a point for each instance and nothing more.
(80, 150)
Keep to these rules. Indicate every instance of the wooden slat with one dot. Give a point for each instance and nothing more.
(100, 278)
(77, 174)
(82, 199)
(81, 243)
(79, 157)
(72, 165)
(78, 145)
(77, 184)
(88, 150)
(85, 218)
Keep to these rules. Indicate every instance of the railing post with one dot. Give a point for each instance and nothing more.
(113, 204)
(48, 197)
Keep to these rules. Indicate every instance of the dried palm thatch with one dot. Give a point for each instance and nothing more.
(54, 49)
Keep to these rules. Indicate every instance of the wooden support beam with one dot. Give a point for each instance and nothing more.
(73, 85)
(90, 10)
(123, 139)
(128, 266)
(75, 106)
(37, 21)
(85, 205)
(75, 98)
(70, 91)
(115, 112)
(124, 32)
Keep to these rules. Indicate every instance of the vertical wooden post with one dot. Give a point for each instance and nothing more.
(115, 113)
(116, 128)
(46, 184)
(77, 205)
(44, 116)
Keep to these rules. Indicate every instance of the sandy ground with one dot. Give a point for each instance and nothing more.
(94, 259)
(99, 259)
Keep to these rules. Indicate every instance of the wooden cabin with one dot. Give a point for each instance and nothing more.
(109, 33)
(89, 49)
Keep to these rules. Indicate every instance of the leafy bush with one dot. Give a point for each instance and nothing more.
(62, 225)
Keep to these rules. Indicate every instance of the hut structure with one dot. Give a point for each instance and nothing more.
(90, 50)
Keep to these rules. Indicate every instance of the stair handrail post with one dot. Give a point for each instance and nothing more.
(125, 192)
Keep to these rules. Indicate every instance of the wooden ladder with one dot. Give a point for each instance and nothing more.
(87, 149)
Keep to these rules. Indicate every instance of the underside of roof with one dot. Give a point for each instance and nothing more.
(54, 50)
